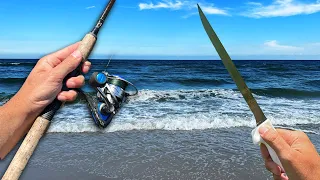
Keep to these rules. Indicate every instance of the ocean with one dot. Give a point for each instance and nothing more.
(188, 121)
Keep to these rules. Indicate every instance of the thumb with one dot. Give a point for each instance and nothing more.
(274, 140)
(68, 65)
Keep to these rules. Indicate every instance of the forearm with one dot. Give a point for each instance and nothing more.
(15, 121)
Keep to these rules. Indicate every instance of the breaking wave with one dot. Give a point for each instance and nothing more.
(189, 110)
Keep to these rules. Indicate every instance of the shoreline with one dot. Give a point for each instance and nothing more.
(205, 154)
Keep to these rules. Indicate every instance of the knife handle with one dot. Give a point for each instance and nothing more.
(257, 140)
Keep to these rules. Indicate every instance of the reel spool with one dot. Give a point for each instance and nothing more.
(111, 94)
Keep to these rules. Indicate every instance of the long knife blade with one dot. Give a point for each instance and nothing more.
(243, 88)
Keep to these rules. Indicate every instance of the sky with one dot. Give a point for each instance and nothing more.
(163, 29)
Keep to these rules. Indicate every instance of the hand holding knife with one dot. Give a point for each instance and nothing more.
(261, 119)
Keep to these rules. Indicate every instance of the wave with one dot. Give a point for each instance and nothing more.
(193, 94)
(5, 97)
(12, 80)
(287, 93)
(17, 63)
(199, 81)
(197, 121)
(1, 64)
(315, 83)
(189, 110)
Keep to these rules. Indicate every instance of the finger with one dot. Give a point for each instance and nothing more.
(65, 52)
(274, 139)
(76, 82)
(291, 137)
(70, 95)
(284, 176)
(56, 58)
(86, 67)
(68, 65)
(264, 152)
(272, 167)
(276, 177)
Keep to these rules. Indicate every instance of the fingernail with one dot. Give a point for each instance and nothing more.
(263, 130)
(77, 54)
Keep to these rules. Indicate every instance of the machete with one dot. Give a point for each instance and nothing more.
(261, 119)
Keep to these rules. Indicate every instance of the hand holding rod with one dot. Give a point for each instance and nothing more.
(42, 123)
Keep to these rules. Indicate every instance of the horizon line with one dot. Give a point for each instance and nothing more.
(121, 59)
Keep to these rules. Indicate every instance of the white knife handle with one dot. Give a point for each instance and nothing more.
(257, 140)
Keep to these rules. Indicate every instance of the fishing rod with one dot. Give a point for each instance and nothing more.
(42, 122)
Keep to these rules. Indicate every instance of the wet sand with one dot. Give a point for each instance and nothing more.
(200, 154)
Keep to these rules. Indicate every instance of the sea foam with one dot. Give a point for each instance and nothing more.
(188, 110)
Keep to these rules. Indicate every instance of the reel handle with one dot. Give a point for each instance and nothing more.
(42, 123)
(257, 140)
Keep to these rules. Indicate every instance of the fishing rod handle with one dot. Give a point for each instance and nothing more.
(257, 140)
(42, 122)
(26, 149)
(87, 45)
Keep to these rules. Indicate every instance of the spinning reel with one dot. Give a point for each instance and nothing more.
(111, 94)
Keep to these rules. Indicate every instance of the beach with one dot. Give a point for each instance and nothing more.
(188, 121)
(198, 154)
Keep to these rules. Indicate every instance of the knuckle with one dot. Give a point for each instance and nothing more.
(302, 134)
(43, 59)
(71, 62)
(272, 136)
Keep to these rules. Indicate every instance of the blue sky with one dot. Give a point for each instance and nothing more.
(163, 29)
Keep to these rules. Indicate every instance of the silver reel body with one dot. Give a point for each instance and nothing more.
(111, 94)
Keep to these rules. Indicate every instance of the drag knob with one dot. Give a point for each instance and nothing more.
(98, 79)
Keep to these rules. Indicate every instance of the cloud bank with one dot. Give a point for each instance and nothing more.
(183, 5)
(281, 8)
(274, 45)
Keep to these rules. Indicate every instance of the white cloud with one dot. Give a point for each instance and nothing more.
(273, 44)
(281, 8)
(183, 5)
(90, 7)
(165, 5)
(210, 9)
